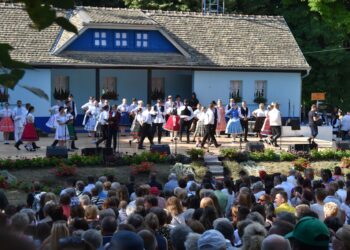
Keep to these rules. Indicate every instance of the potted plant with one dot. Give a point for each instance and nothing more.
(259, 97)
(157, 94)
(109, 95)
(61, 94)
(236, 96)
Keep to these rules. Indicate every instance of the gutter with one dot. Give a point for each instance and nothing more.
(306, 74)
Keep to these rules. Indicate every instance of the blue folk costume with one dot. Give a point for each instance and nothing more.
(125, 117)
(234, 123)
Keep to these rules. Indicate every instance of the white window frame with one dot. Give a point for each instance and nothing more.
(121, 39)
(100, 39)
(141, 40)
(260, 88)
(236, 87)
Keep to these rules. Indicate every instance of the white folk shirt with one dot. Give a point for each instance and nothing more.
(186, 117)
(209, 118)
(275, 117)
(178, 104)
(123, 108)
(345, 123)
(259, 113)
(229, 106)
(132, 107)
(168, 104)
(19, 116)
(30, 118)
(87, 105)
(144, 117)
(103, 118)
(159, 115)
(240, 113)
(6, 113)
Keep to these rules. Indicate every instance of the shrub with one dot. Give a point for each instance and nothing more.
(345, 162)
(266, 155)
(301, 164)
(287, 156)
(229, 153)
(195, 153)
(182, 170)
(64, 170)
(144, 167)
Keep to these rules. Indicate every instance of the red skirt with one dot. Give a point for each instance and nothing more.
(29, 133)
(173, 123)
(6, 124)
(266, 128)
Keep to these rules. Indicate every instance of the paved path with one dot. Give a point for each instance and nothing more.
(85, 141)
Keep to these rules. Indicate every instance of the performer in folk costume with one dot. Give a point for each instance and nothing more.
(19, 117)
(125, 118)
(70, 126)
(260, 115)
(158, 115)
(266, 128)
(244, 114)
(51, 123)
(221, 124)
(113, 129)
(200, 127)
(6, 122)
(74, 114)
(145, 120)
(195, 120)
(186, 115)
(193, 101)
(92, 115)
(86, 107)
(103, 121)
(173, 123)
(62, 133)
(230, 104)
(275, 123)
(135, 128)
(210, 126)
(178, 102)
(132, 106)
(29, 132)
(234, 126)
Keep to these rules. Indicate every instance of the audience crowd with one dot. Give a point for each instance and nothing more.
(250, 213)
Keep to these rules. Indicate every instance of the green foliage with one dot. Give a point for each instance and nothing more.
(196, 153)
(182, 5)
(287, 156)
(301, 164)
(229, 153)
(266, 155)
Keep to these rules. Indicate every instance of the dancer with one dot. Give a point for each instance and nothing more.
(195, 120)
(145, 121)
(173, 123)
(234, 126)
(29, 132)
(136, 126)
(200, 127)
(259, 115)
(113, 127)
(227, 108)
(210, 126)
(275, 123)
(72, 134)
(19, 117)
(314, 118)
(178, 102)
(85, 108)
(244, 114)
(6, 123)
(158, 115)
(266, 128)
(62, 133)
(51, 123)
(221, 124)
(92, 115)
(123, 109)
(186, 114)
(193, 101)
(103, 122)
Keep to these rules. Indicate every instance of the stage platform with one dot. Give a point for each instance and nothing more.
(9, 151)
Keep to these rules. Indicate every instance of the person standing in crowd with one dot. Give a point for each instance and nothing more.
(51, 123)
(92, 115)
(210, 126)
(113, 127)
(6, 123)
(193, 101)
(135, 128)
(72, 104)
(221, 124)
(173, 123)
(178, 102)
(186, 115)
(72, 134)
(29, 134)
(145, 120)
(158, 115)
(168, 105)
(259, 115)
(19, 117)
(244, 115)
(275, 123)
(345, 126)
(313, 119)
(62, 133)
(200, 127)
(266, 128)
(123, 109)
(234, 126)
(103, 122)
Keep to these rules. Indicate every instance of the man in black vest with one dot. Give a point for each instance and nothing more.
(72, 105)
(244, 115)
(186, 115)
(158, 114)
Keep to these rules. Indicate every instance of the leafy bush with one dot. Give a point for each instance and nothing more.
(266, 155)
(345, 162)
(64, 170)
(301, 164)
(143, 167)
(229, 153)
(182, 170)
(287, 156)
(195, 153)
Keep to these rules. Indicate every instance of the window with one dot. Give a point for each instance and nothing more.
(157, 88)
(109, 88)
(100, 39)
(142, 40)
(236, 90)
(61, 87)
(121, 39)
(3, 94)
(260, 91)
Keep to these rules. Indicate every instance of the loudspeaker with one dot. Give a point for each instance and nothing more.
(96, 151)
(255, 147)
(162, 148)
(342, 145)
(295, 124)
(58, 152)
(300, 147)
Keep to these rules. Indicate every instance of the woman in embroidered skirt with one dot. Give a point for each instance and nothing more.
(200, 128)
(51, 123)
(260, 116)
(29, 132)
(221, 124)
(266, 128)
(173, 123)
(92, 113)
(62, 133)
(124, 116)
(6, 122)
(234, 124)
(135, 128)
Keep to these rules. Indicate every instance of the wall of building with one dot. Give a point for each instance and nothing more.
(284, 88)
